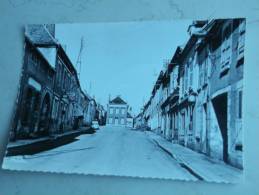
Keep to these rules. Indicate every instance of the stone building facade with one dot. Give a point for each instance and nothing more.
(34, 100)
(50, 99)
(200, 105)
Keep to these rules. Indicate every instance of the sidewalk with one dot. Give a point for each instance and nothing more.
(31, 146)
(200, 165)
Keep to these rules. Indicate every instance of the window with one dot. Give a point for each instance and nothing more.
(111, 109)
(69, 82)
(171, 121)
(191, 74)
(241, 40)
(123, 111)
(239, 114)
(175, 77)
(116, 110)
(183, 120)
(200, 75)
(64, 79)
(191, 120)
(186, 78)
(172, 82)
(61, 75)
(226, 50)
(110, 120)
(205, 70)
(58, 73)
(182, 86)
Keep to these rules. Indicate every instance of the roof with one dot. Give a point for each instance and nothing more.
(49, 54)
(43, 42)
(48, 46)
(39, 35)
(117, 100)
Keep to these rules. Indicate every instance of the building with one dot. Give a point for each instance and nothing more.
(50, 99)
(170, 103)
(213, 122)
(100, 114)
(225, 56)
(33, 105)
(117, 110)
(197, 100)
(129, 123)
(156, 101)
(188, 91)
(138, 121)
(90, 114)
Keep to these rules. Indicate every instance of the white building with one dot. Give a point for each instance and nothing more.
(117, 110)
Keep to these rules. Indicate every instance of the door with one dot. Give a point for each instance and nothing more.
(204, 130)
(116, 121)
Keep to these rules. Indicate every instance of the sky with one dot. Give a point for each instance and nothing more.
(122, 58)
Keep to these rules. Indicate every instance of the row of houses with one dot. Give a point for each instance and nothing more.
(197, 99)
(50, 99)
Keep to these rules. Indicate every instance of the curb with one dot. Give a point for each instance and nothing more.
(45, 144)
(180, 161)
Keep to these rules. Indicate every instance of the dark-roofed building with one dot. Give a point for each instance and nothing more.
(117, 110)
(118, 100)
(35, 97)
(50, 98)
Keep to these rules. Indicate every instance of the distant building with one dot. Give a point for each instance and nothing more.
(138, 121)
(117, 110)
(100, 114)
(129, 121)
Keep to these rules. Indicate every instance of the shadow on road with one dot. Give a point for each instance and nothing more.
(54, 153)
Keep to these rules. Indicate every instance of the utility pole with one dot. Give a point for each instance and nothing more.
(79, 58)
(90, 88)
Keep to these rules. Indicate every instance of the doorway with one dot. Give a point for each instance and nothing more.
(116, 121)
(44, 115)
(220, 106)
(30, 109)
(204, 130)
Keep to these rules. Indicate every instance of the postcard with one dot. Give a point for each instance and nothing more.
(156, 99)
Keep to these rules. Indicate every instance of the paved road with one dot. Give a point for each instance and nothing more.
(110, 151)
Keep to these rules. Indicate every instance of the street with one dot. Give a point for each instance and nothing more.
(110, 151)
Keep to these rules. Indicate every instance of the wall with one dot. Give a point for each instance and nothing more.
(14, 13)
(117, 113)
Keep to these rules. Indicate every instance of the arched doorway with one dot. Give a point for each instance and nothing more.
(44, 116)
(30, 111)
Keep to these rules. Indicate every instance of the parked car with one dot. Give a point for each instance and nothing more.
(95, 125)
